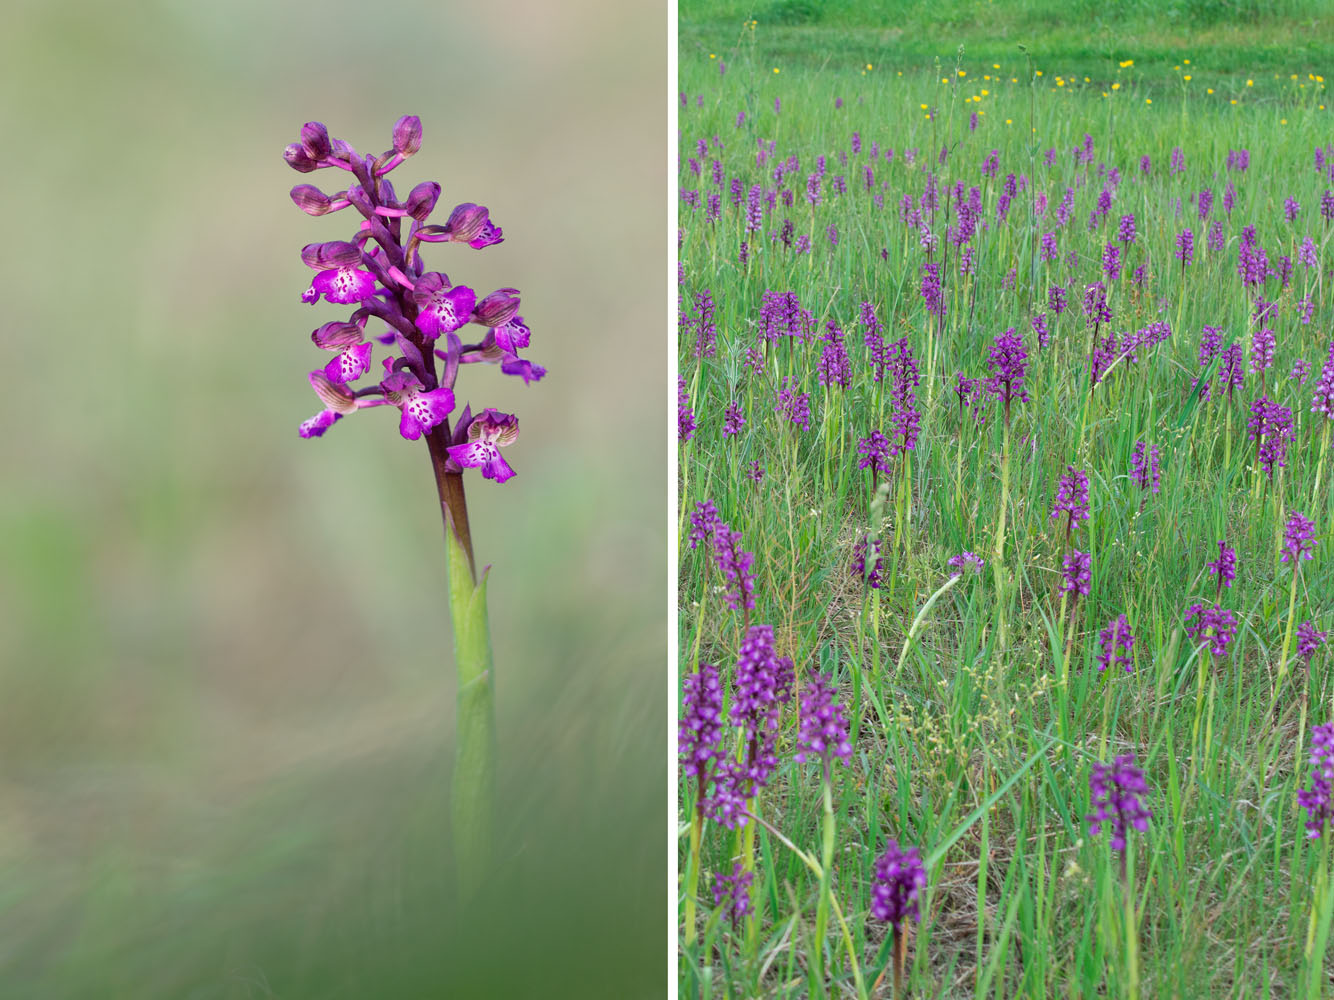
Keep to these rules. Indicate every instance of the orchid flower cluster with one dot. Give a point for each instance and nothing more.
(380, 273)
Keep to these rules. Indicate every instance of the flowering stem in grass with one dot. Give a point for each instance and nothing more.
(1317, 928)
(1287, 642)
(1132, 928)
(1320, 464)
(826, 865)
(1000, 533)
(692, 873)
(921, 615)
(815, 869)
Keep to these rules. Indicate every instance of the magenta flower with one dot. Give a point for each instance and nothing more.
(1117, 791)
(733, 419)
(444, 308)
(353, 358)
(1216, 626)
(823, 729)
(340, 280)
(1322, 396)
(1309, 639)
(1008, 363)
(966, 560)
(1298, 538)
(731, 893)
(867, 564)
(900, 877)
(699, 733)
(794, 405)
(1317, 800)
(421, 410)
(1072, 498)
(381, 272)
(487, 433)
(1144, 471)
(685, 416)
(1116, 644)
(1225, 568)
(1185, 251)
(1077, 570)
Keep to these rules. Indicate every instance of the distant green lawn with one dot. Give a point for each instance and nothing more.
(1086, 38)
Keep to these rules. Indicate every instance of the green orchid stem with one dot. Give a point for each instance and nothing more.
(472, 805)
(826, 864)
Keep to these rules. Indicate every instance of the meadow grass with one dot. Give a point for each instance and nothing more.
(976, 706)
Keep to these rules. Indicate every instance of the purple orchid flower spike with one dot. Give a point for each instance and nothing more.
(488, 432)
(380, 272)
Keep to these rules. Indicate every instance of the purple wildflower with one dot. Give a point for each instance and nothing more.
(700, 729)
(704, 522)
(1262, 350)
(1125, 230)
(823, 732)
(755, 471)
(1072, 498)
(733, 419)
(1039, 325)
(486, 434)
(1216, 626)
(1290, 208)
(966, 560)
(1308, 641)
(1271, 428)
(736, 566)
(1185, 251)
(1111, 261)
(1142, 470)
(875, 451)
(871, 571)
(1095, 304)
(899, 877)
(1116, 790)
(1116, 644)
(388, 281)
(685, 416)
(1225, 568)
(834, 367)
(1298, 538)
(794, 405)
(731, 893)
(1008, 362)
(1322, 397)
(1078, 572)
(1316, 800)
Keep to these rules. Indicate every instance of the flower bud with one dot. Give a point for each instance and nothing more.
(421, 200)
(407, 135)
(315, 140)
(336, 335)
(298, 160)
(311, 199)
(466, 222)
(324, 256)
(498, 308)
(338, 398)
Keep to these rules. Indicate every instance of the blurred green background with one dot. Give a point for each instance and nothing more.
(226, 696)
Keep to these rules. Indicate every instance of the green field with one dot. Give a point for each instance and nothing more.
(975, 703)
